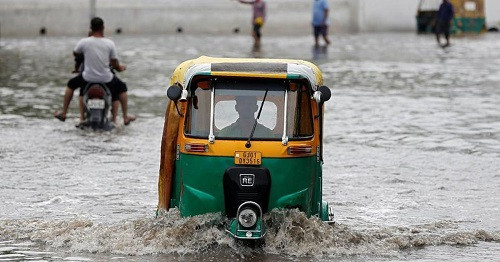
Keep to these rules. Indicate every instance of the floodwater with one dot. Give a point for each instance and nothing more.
(412, 155)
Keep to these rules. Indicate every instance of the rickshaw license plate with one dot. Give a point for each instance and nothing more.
(247, 158)
(96, 103)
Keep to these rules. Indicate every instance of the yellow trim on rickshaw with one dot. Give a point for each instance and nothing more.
(178, 75)
(250, 75)
(228, 147)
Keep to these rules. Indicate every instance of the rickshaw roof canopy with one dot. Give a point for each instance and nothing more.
(247, 67)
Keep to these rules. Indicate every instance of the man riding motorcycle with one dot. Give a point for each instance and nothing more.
(99, 54)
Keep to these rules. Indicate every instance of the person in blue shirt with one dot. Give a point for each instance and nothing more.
(443, 22)
(320, 20)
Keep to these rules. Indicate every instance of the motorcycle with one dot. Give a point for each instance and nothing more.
(97, 105)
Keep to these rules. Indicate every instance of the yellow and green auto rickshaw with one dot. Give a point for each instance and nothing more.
(469, 16)
(243, 137)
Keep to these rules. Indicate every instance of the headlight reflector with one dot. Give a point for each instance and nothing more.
(247, 217)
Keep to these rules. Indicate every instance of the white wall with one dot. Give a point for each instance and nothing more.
(492, 10)
(388, 15)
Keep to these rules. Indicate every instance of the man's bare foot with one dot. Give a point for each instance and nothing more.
(129, 119)
(60, 116)
(81, 125)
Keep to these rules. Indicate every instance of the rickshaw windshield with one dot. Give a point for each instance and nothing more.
(236, 105)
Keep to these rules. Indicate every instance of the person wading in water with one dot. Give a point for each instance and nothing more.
(259, 16)
(443, 22)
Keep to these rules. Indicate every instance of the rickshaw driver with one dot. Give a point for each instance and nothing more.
(246, 106)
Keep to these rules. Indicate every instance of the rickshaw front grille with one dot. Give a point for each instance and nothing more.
(237, 191)
(247, 196)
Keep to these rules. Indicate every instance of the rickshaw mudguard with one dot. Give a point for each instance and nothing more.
(296, 199)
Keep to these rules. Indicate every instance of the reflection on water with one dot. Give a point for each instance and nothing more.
(320, 52)
(411, 155)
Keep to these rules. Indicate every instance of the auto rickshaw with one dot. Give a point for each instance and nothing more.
(469, 16)
(243, 137)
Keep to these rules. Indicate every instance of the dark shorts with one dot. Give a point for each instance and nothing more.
(443, 27)
(116, 86)
(320, 30)
(256, 29)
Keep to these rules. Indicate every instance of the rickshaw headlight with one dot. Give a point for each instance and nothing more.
(247, 217)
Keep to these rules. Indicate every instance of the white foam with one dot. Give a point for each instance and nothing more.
(289, 233)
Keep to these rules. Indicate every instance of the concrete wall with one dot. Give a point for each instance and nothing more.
(384, 15)
(285, 17)
(492, 10)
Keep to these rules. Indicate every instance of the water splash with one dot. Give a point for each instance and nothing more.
(290, 233)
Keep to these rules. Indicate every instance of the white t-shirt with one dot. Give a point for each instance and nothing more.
(97, 53)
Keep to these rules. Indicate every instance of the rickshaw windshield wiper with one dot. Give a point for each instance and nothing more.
(248, 145)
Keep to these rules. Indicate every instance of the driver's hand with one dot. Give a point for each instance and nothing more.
(75, 71)
(122, 68)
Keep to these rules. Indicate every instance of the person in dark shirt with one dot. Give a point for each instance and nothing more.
(443, 22)
(246, 106)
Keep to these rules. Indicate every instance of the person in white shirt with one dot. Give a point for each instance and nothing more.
(99, 53)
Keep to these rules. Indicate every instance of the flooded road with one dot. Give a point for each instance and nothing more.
(412, 149)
